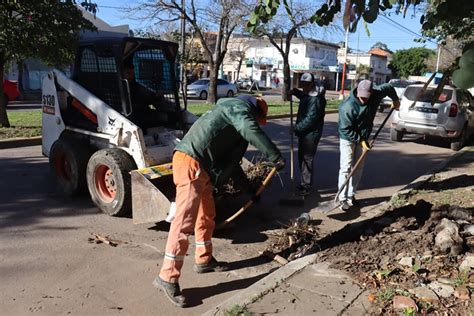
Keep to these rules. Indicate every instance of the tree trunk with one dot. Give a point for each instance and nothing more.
(3, 110)
(241, 60)
(286, 79)
(212, 92)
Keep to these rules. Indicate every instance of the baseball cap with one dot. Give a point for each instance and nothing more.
(364, 89)
(307, 77)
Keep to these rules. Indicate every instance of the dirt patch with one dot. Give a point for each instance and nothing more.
(420, 251)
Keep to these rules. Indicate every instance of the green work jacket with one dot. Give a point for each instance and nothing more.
(356, 120)
(220, 137)
(310, 117)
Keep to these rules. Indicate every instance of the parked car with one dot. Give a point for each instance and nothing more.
(244, 83)
(10, 91)
(451, 117)
(399, 85)
(200, 89)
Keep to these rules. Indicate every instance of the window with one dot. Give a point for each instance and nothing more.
(88, 61)
(221, 82)
(411, 93)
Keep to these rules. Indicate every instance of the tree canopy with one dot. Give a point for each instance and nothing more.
(410, 62)
(48, 30)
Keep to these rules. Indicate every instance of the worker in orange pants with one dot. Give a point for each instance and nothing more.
(210, 154)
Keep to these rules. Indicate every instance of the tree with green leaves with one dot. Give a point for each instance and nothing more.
(48, 30)
(410, 62)
(443, 18)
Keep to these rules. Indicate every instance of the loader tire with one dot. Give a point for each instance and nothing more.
(109, 181)
(68, 163)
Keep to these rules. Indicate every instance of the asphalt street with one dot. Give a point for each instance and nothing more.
(48, 266)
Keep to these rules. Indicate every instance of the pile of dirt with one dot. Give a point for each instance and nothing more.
(415, 259)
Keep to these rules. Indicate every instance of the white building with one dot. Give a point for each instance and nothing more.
(375, 62)
(263, 62)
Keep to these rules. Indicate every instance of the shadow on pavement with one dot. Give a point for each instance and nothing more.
(196, 295)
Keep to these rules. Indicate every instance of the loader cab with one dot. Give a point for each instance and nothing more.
(134, 76)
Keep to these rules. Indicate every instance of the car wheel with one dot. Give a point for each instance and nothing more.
(230, 94)
(395, 135)
(203, 95)
(109, 181)
(457, 144)
(67, 163)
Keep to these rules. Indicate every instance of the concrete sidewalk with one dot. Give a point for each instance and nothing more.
(303, 287)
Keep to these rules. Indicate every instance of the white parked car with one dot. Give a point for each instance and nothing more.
(450, 117)
(200, 89)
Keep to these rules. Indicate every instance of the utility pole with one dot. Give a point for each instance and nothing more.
(182, 70)
(437, 59)
(341, 96)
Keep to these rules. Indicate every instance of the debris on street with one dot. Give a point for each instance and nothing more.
(294, 240)
(99, 239)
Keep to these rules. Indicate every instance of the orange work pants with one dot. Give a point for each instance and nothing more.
(195, 210)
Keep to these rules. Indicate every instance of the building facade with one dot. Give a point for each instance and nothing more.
(259, 60)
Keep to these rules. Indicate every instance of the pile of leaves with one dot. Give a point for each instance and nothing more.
(399, 257)
(295, 240)
(255, 173)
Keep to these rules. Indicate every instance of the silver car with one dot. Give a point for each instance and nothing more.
(450, 117)
(200, 89)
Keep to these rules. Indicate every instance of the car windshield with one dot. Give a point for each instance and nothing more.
(427, 96)
(201, 82)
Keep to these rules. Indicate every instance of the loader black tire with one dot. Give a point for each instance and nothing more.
(68, 162)
(109, 181)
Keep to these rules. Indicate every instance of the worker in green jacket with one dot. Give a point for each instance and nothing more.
(210, 154)
(356, 120)
(308, 127)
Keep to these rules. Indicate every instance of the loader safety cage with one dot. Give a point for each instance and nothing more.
(100, 68)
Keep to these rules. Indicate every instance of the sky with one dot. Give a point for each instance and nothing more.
(394, 30)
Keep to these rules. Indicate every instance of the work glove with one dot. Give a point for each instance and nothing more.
(395, 105)
(279, 164)
(365, 145)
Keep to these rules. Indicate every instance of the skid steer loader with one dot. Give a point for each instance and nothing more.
(112, 126)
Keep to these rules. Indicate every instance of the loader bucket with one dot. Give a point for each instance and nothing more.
(152, 192)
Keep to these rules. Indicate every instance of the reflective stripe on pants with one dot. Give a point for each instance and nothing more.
(195, 210)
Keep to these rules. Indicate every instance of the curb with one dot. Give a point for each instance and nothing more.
(271, 281)
(279, 116)
(20, 142)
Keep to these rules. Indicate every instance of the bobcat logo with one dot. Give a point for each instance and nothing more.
(112, 121)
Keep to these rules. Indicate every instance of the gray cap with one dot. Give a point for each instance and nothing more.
(364, 89)
(307, 77)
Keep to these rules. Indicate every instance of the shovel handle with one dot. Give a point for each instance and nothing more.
(251, 201)
(361, 158)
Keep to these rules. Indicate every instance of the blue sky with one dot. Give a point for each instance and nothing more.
(382, 30)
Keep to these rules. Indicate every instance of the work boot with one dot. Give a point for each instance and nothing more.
(303, 190)
(172, 291)
(344, 205)
(353, 202)
(211, 266)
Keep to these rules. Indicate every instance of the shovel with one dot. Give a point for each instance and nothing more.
(251, 201)
(361, 158)
(293, 199)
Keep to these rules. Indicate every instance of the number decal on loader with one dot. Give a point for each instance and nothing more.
(48, 104)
